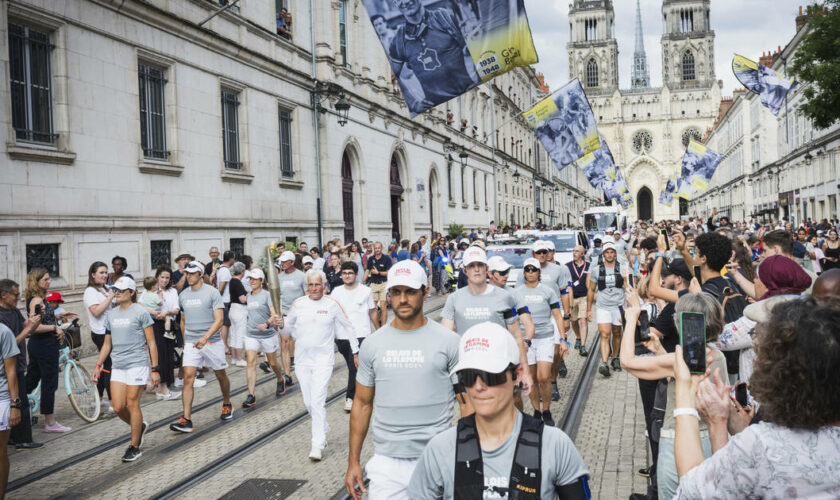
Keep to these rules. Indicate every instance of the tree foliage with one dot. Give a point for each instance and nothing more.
(817, 63)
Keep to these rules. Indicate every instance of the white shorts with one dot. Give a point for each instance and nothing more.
(557, 338)
(268, 344)
(5, 408)
(612, 316)
(211, 355)
(541, 350)
(389, 477)
(138, 375)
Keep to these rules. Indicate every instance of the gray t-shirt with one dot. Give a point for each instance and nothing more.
(9, 348)
(553, 275)
(466, 309)
(538, 301)
(434, 475)
(258, 313)
(198, 306)
(128, 341)
(414, 397)
(610, 297)
(292, 287)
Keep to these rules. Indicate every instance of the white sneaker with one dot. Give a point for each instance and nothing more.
(240, 362)
(199, 382)
(315, 454)
(170, 396)
(179, 382)
(348, 405)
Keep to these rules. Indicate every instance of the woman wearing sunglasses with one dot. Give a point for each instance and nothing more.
(543, 303)
(493, 441)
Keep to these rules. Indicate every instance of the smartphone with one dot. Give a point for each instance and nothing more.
(643, 328)
(697, 274)
(741, 394)
(693, 340)
(667, 243)
(38, 309)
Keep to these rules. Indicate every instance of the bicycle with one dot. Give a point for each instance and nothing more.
(82, 393)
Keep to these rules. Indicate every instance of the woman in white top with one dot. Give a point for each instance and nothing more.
(97, 300)
(165, 344)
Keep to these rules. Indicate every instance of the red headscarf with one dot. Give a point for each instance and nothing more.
(782, 276)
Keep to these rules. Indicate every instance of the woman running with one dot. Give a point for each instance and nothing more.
(129, 331)
(261, 336)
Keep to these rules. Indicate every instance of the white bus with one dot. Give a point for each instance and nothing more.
(599, 219)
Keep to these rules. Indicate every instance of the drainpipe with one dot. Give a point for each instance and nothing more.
(493, 152)
(315, 100)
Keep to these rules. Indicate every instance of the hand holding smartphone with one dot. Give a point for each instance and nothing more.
(643, 328)
(664, 233)
(697, 274)
(693, 340)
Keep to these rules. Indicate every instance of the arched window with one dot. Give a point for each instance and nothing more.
(592, 73)
(688, 66)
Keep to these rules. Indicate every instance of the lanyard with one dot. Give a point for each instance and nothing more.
(575, 268)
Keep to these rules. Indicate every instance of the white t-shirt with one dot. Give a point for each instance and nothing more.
(357, 304)
(94, 297)
(223, 276)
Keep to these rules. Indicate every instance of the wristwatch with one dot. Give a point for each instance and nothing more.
(17, 403)
(527, 342)
(155, 369)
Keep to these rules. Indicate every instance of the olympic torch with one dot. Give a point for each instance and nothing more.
(272, 281)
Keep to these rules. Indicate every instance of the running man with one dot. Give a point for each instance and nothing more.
(579, 270)
(292, 287)
(404, 373)
(607, 284)
(261, 336)
(202, 315)
(321, 320)
(376, 275)
(357, 301)
(128, 331)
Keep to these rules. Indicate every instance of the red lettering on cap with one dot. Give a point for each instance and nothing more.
(402, 270)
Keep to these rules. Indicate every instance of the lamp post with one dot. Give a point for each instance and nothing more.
(462, 156)
(342, 107)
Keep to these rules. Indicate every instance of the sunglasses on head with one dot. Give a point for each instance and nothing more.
(469, 376)
(531, 269)
(541, 252)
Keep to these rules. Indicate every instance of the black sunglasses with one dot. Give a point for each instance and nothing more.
(531, 269)
(469, 376)
(541, 252)
(503, 273)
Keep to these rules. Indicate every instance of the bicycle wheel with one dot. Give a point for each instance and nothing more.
(83, 394)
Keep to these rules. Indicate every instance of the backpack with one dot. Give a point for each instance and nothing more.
(733, 304)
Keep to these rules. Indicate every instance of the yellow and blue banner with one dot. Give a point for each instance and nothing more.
(565, 125)
(602, 173)
(773, 87)
(698, 167)
(439, 49)
(666, 197)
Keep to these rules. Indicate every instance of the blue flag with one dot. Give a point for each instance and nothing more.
(698, 167)
(758, 78)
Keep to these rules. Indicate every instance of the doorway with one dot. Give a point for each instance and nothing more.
(347, 197)
(644, 202)
(396, 195)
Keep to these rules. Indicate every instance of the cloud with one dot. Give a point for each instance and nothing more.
(748, 27)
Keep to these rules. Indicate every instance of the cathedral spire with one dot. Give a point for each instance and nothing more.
(641, 74)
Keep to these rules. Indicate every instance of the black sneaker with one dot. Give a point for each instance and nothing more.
(538, 414)
(546, 417)
(265, 367)
(563, 371)
(646, 472)
(182, 425)
(583, 352)
(281, 387)
(143, 430)
(577, 344)
(555, 394)
(604, 369)
(131, 454)
(249, 402)
(227, 411)
(616, 364)
(28, 446)
(288, 380)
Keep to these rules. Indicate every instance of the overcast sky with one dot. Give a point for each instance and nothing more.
(747, 27)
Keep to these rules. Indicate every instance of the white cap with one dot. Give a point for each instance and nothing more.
(256, 274)
(537, 245)
(530, 261)
(498, 263)
(194, 267)
(286, 256)
(307, 260)
(474, 254)
(407, 273)
(609, 230)
(125, 283)
(549, 245)
(609, 245)
(488, 347)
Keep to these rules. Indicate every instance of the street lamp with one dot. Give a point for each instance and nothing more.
(463, 157)
(808, 158)
(343, 109)
(325, 90)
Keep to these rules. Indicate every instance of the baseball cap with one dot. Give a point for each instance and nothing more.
(54, 296)
(530, 261)
(184, 255)
(307, 260)
(609, 245)
(488, 347)
(125, 283)
(194, 267)
(407, 273)
(609, 230)
(537, 245)
(286, 256)
(549, 245)
(479, 244)
(256, 274)
(760, 311)
(474, 254)
(677, 267)
(498, 263)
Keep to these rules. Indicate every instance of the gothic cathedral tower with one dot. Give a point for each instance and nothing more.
(688, 45)
(593, 50)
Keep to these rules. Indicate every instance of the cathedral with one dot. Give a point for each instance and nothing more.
(648, 128)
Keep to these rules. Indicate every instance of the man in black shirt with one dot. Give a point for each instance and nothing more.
(10, 316)
(376, 275)
(579, 271)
